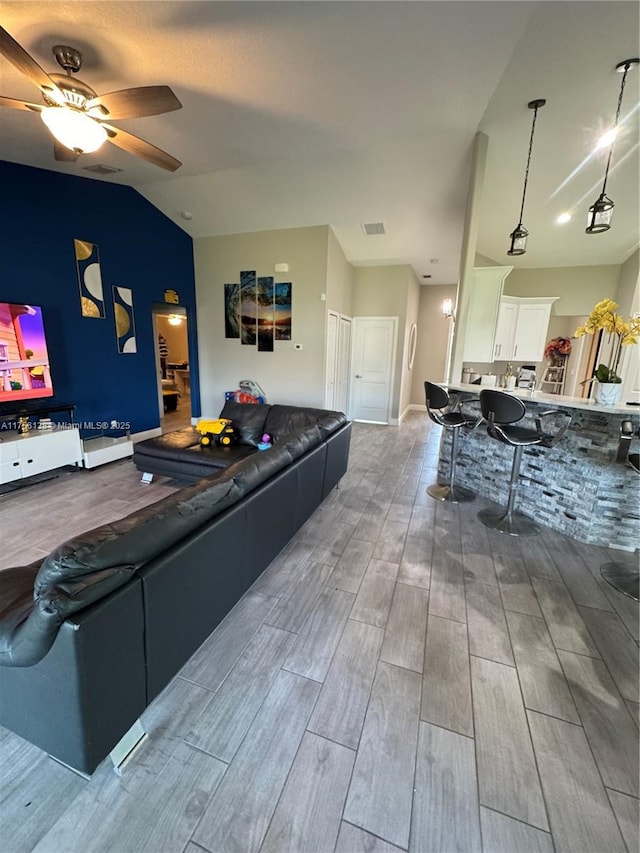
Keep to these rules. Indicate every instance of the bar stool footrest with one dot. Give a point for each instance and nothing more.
(515, 524)
(623, 578)
(451, 494)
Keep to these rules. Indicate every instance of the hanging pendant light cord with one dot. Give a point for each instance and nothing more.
(615, 125)
(526, 174)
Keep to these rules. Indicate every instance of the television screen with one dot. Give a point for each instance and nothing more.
(24, 361)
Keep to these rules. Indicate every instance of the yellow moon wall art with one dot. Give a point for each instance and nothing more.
(89, 279)
(124, 320)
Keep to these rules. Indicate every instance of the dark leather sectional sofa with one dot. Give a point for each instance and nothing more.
(89, 636)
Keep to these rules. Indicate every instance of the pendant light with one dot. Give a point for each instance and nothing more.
(600, 212)
(519, 234)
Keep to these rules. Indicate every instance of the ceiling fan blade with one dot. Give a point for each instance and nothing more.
(18, 56)
(134, 145)
(64, 154)
(134, 103)
(20, 105)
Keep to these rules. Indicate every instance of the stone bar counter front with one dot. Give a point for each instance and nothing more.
(577, 487)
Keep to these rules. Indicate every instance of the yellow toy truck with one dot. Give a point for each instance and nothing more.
(221, 431)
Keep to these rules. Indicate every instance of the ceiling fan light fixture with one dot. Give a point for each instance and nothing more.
(601, 211)
(519, 234)
(74, 129)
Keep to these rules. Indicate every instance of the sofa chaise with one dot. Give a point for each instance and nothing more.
(90, 635)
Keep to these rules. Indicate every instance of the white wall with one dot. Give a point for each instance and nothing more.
(384, 292)
(628, 292)
(413, 303)
(579, 288)
(433, 336)
(340, 276)
(287, 376)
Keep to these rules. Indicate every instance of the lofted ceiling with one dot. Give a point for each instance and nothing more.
(344, 113)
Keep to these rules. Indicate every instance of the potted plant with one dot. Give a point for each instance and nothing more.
(621, 333)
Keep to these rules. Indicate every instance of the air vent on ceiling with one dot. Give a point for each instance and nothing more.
(99, 169)
(371, 228)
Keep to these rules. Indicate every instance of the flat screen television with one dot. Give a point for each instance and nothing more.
(24, 360)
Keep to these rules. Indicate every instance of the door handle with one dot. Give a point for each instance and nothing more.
(358, 376)
(515, 351)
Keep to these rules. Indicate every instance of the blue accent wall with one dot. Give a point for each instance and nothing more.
(140, 248)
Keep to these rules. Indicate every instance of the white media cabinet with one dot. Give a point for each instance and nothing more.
(103, 449)
(37, 452)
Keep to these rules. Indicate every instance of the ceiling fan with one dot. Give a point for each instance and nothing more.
(77, 117)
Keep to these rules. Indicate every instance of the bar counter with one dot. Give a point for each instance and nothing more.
(576, 487)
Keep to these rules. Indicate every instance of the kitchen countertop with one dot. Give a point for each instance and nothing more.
(555, 400)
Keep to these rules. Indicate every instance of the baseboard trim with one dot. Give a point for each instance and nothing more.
(147, 433)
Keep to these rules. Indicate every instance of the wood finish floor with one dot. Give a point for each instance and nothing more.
(399, 678)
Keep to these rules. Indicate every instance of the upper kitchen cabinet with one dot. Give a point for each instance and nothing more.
(521, 329)
(484, 305)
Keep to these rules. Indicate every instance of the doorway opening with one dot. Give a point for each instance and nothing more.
(170, 330)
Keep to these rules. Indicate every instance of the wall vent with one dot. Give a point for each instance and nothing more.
(99, 169)
(372, 228)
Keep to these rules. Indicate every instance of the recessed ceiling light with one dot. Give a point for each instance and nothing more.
(186, 215)
(564, 217)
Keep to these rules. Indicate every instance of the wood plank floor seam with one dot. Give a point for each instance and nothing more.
(494, 604)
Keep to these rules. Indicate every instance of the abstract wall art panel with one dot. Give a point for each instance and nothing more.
(89, 279)
(123, 314)
(282, 311)
(264, 306)
(248, 334)
(232, 310)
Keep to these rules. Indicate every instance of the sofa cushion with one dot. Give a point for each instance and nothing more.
(250, 473)
(168, 444)
(133, 540)
(298, 442)
(285, 419)
(248, 419)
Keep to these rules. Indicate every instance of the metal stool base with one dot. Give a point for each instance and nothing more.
(451, 494)
(623, 578)
(514, 524)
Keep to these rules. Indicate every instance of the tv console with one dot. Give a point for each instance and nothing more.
(37, 451)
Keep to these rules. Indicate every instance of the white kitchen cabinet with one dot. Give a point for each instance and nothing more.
(521, 330)
(482, 316)
(506, 328)
(27, 455)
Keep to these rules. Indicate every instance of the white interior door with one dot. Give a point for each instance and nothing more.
(331, 361)
(343, 366)
(373, 356)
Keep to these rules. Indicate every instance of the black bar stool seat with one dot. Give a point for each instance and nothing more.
(502, 412)
(441, 412)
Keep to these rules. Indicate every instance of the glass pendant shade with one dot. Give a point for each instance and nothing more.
(73, 129)
(518, 240)
(599, 216)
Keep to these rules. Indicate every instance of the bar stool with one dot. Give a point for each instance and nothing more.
(441, 412)
(619, 575)
(502, 411)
